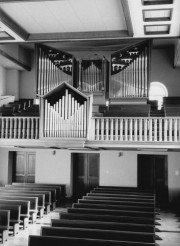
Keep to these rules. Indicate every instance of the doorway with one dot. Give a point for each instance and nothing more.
(153, 175)
(24, 167)
(85, 173)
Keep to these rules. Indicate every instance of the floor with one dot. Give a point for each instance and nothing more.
(168, 232)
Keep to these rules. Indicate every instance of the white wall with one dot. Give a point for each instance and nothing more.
(28, 82)
(4, 175)
(115, 170)
(12, 83)
(118, 170)
(2, 81)
(162, 70)
(54, 168)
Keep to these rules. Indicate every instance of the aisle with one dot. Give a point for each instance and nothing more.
(169, 229)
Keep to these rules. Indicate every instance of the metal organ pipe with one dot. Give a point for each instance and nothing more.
(66, 118)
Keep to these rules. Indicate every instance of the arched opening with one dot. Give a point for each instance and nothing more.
(157, 92)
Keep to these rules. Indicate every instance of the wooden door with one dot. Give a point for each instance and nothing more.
(85, 173)
(152, 175)
(24, 167)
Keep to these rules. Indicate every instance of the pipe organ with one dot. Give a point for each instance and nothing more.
(93, 75)
(129, 72)
(53, 68)
(66, 118)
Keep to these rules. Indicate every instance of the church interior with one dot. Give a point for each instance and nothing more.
(90, 109)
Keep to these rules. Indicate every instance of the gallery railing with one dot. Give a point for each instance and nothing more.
(148, 129)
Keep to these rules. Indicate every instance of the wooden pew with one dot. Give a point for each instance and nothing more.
(47, 194)
(111, 207)
(41, 198)
(31, 188)
(14, 222)
(35, 240)
(98, 234)
(60, 190)
(125, 189)
(131, 213)
(120, 193)
(91, 197)
(33, 204)
(103, 225)
(25, 205)
(124, 203)
(4, 224)
(107, 218)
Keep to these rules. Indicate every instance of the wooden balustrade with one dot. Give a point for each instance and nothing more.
(147, 129)
(19, 127)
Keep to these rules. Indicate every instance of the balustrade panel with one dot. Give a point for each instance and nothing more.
(137, 129)
(19, 127)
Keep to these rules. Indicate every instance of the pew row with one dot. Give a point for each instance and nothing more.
(121, 198)
(46, 194)
(124, 203)
(98, 234)
(103, 225)
(32, 207)
(107, 218)
(24, 215)
(43, 190)
(4, 224)
(131, 213)
(113, 207)
(14, 221)
(30, 187)
(35, 240)
(125, 189)
(40, 198)
(60, 190)
(117, 194)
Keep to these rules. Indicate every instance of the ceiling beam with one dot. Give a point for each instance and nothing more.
(73, 36)
(14, 60)
(127, 16)
(13, 26)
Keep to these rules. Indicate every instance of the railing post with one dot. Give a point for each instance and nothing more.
(170, 130)
(112, 129)
(107, 129)
(175, 130)
(155, 130)
(165, 130)
(160, 130)
(150, 129)
(135, 129)
(145, 129)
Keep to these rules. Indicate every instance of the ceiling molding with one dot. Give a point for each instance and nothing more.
(127, 17)
(9, 23)
(17, 62)
(72, 36)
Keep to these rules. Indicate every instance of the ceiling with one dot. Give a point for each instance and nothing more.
(89, 25)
